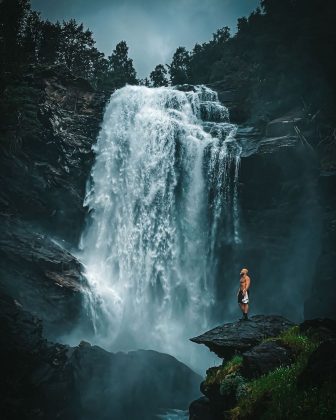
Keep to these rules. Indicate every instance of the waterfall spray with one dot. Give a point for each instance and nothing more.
(164, 179)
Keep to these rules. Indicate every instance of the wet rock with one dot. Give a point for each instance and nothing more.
(42, 276)
(321, 366)
(240, 336)
(278, 200)
(285, 125)
(44, 166)
(321, 329)
(232, 93)
(321, 299)
(201, 409)
(264, 358)
(48, 380)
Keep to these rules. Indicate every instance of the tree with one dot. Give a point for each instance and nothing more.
(12, 16)
(221, 35)
(120, 67)
(31, 37)
(158, 76)
(50, 42)
(76, 49)
(144, 82)
(179, 68)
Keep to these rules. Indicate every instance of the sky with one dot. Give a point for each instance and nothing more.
(153, 29)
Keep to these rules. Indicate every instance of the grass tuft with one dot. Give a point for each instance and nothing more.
(216, 375)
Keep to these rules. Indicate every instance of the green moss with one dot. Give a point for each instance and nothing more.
(216, 375)
(276, 395)
(233, 385)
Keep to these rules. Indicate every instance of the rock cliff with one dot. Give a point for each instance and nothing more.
(271, 368)
(45, 380)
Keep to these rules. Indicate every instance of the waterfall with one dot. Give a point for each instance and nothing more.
(162, 195)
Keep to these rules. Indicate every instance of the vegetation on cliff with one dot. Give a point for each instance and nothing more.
(282, 54)
(278, 394)
(25, 39)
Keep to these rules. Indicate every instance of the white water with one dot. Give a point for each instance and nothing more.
(164, 180)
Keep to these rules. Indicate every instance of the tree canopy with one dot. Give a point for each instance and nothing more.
(25, 38)
(158, 76)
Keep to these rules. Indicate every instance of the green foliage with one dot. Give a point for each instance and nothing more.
(233, 385)
(218, 374)
(276, 395)
(297, 342)
(27, 39)
(120, 67)
(179, 68)
(158, 76)
(282, 52)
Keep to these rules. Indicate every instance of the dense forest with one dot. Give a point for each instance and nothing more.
(283, 52)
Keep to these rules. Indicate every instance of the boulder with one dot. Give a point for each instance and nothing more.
(321, 329)
(240, 336)
(264, 358)
(201, 409)
(42, 276)
(321, 366)
(44, 380)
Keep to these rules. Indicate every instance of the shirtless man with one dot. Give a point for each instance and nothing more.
(243, 293)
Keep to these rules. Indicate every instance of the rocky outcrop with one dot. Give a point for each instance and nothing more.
(52, 121)
(321, 329)
(42, 276)
(240, 336)
(264, 358)
(321, 366)
(243, 387)
(259, 354)
(321, 301)
(287, 210)
(280, 223)
(46, 150)
(44, 380)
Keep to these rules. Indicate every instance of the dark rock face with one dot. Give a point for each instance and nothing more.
(321, 301)
(43, 177)
(238, 337)
(201, 409)
(43, 380)
(264, 358)
(280, 220)
(321, 366)
(41, 276)
(321, 329)
(232, 93)
(280, 226)
(45, 161)
(282, 213)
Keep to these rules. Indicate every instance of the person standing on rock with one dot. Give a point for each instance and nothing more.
(243, 293)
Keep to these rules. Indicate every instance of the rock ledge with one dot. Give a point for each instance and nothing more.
(240, 336)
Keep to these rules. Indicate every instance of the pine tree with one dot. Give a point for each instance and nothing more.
(120, 67)
(50, 42)
(158, 76)
(76, 48)
(179, 68)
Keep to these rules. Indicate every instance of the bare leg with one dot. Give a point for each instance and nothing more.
(246, 308)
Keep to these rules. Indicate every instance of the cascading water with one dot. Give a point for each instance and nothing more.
(164, 180)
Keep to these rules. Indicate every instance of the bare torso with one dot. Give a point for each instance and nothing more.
(244, 282)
